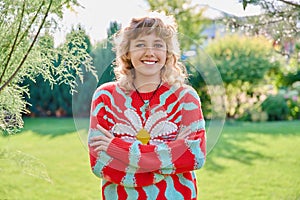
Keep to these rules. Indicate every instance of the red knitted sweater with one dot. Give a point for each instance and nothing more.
(145, 160)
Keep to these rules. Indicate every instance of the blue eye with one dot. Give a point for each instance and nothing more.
(158, 45)
(140, 45)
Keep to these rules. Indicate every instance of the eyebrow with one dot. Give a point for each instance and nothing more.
(158, 40)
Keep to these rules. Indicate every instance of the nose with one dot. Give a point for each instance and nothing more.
(149, 51)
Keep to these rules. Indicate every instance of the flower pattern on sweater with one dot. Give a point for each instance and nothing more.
(156, 126)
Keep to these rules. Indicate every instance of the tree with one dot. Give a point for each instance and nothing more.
(103, 60)
(25, 54)
(280, 20)
(189, 18)
(104, 56)
(244, 63)
(56, 100)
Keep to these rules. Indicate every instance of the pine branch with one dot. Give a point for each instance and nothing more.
(30, 48)
(291, 3)
(27, 29)
(15, 42)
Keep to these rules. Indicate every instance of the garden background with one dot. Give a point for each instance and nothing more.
(43, 152)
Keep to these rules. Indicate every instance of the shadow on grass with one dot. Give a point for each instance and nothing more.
(240, 142)
(52, 127)
(231, 148)
(55, 127)
(274, 128)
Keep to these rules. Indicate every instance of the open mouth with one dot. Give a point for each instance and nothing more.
(149, 62)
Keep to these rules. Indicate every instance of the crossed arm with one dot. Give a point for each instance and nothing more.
(101, 143)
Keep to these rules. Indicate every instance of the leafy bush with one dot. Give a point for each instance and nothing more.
(276, 107)
(47, 101)
(293, 101)
(244, 63)
(242, 59)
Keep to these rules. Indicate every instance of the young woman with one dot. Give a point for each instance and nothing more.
(147, 131)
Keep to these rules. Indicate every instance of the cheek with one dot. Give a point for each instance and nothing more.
(134, 55)
(135, 59)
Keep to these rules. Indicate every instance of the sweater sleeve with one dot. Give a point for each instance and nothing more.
(98, 115)
(173, 157)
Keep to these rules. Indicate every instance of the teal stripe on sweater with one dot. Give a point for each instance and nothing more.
(194, 175)
(103, 161)
(171, 192)
(98, 108)
(104, 92)
(188, 183)
(108, 119)
(194, 94)
(143, 110)
(194, 146)
(132, 193)
(181, 95)
(171, 106)
(158, 177)
(197, 125)
(128, 100)
(110, 192)
(129, 179)
(134, 157)
(175, 113)
(116, 116)
(93, 133)
(163, 98)
(165, 158)
(190, 106)
(179, 118)
(134, 154)
(151, 191)
(101, 105)
(185, 106)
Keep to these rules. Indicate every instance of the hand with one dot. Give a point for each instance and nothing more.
(101, 142)
(183, 134)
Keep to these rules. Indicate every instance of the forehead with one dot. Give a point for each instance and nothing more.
(148, 38)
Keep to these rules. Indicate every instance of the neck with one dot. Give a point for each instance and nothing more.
(145, 84)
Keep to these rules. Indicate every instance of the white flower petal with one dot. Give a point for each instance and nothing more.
(134, 119)
(154, 119)
(163, 128)
(122, 129)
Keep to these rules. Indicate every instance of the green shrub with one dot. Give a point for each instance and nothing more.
(293, 101)
(244, 64)
(276, 107)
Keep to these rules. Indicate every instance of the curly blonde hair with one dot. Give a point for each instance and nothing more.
(165, 27)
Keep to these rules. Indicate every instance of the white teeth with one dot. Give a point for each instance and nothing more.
(149, 62)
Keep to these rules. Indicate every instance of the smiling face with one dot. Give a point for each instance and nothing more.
(148, 54)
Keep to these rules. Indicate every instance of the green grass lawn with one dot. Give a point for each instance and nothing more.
(49, 160)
